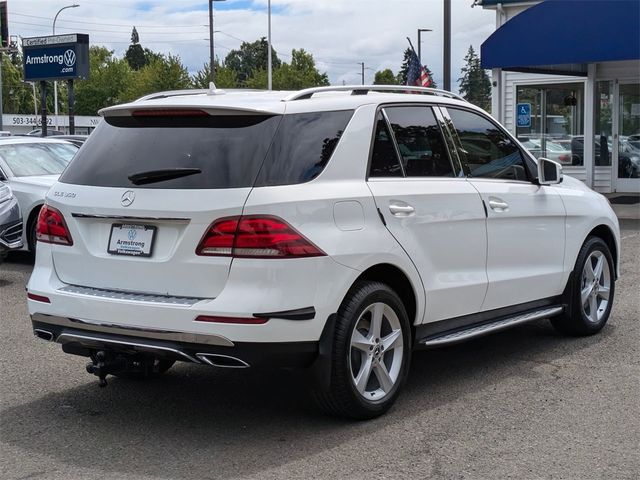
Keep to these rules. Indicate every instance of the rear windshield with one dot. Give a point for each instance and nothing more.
(228, 150)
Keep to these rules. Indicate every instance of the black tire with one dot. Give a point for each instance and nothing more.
(342, 398)
(576, 321)
(31, 234)
(159, 367)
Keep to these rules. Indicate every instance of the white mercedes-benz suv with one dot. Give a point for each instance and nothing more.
(336, 229)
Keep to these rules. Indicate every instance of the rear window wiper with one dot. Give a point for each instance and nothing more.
(154, 176)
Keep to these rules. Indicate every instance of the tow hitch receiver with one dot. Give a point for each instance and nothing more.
(105, 363)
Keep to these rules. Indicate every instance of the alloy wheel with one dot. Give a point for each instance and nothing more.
(376, 351)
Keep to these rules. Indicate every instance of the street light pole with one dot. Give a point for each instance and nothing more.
(269, 66)
(420, 30)
(55, 84)
(212, 70)
(447, 46)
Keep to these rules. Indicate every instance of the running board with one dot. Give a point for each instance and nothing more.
(474, 331)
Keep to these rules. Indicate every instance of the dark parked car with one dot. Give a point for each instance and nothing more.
(10, 222)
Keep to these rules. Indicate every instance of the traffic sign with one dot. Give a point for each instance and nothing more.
(524, 115)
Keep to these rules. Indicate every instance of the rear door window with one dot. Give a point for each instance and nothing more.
(384, 159)
(420, 142)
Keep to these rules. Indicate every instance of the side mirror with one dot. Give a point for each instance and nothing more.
(549, 172)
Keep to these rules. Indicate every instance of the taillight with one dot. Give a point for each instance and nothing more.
(255, 236)
(564, 157)
(52, 228)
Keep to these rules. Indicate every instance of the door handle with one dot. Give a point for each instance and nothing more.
(498, 205)
(401, 209)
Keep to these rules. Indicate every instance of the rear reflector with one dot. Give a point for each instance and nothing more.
(52, 228)
(236, 320)
(37, 298)
(255, 236)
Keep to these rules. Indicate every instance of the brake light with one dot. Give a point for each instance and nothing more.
(52, 228)
(169, 112)
(564, 157)
(255, 236)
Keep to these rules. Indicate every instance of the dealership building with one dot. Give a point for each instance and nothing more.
(568, 71)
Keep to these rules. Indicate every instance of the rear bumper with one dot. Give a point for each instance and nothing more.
(80, 337)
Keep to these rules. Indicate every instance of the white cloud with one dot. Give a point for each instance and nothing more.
(339, 33)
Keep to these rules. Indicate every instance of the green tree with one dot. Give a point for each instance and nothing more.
(249, 58)
(109, 77)
(475, 85)
(135, 54)
(164, 73)
(300, 73)
(17, 96)
(385, 77)
(225, 77)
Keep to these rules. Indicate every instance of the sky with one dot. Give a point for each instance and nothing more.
(338, 33)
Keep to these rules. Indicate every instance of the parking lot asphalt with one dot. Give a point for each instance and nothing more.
(525, 403)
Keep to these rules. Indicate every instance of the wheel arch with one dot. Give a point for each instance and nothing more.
(399, 281)
(606, 234)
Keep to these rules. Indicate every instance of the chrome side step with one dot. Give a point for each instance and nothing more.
(486, 328)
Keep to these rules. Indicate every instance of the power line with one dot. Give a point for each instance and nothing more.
(105, 24)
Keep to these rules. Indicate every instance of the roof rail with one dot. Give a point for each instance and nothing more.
(364, 89)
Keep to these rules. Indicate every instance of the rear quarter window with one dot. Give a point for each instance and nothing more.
(302, 147)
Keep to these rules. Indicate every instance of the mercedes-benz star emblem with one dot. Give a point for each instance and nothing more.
(127, 198)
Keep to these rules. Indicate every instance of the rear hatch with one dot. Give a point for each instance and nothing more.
(140, 194)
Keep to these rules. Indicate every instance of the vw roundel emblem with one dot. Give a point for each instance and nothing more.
(127, 198)
(69, 58)
(132, 234)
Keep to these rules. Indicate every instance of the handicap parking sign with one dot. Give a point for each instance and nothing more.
(524, 115)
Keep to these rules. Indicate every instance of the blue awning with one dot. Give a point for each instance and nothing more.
(562, 36)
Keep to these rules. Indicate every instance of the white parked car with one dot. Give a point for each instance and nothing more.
(30, 166)
(337, 229)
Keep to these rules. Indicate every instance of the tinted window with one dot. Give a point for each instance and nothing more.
(485, 150)
(384, 161)
(26, 159)
(228, 150)
(420, 142)
(302, 147)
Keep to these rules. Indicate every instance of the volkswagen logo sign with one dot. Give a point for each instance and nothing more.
(132, 234)
(69, 58)
(127, 198)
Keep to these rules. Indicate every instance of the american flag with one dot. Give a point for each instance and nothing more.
(417, 74)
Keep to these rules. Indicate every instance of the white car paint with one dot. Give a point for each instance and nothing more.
(457, 260)
(29, 190)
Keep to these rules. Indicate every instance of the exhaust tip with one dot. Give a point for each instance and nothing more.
(43, 334)
(222, 361)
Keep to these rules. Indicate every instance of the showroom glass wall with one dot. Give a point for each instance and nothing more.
(557, 121)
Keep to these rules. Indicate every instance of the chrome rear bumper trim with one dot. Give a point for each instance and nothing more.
(82, 339)
(140, 332)
(132, 296)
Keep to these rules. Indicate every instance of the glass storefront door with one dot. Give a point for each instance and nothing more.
(627, 138)
(555, 129)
